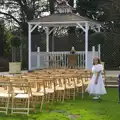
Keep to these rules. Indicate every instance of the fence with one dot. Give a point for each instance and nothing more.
(41, 60)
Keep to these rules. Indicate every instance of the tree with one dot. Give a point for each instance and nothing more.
(16, 43)
(107, 11)
(51, 6)
(90, 8)
(1, 37)
(97, 38)
(21, 11)
(4, 40)
(71, 30)
(52, 10)
(112, 9)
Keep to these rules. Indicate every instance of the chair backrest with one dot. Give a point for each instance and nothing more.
(86, 75)
(5, 86)
(69, 79)
(36, 83)
(49, 83)
(79, 79)
(59, 81)
(15, 78)
(23, 84)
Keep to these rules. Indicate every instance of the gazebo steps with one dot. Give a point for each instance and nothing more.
(111, 82)
(111, 86)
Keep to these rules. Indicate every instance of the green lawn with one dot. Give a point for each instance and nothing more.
(107, 108)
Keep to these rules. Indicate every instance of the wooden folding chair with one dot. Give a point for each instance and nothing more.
(21, 101)
(49, 88)
(70, 87)
(79, 84)
(86, 76)
(59, 88)
(38, 91)
(5, 94)
(18, 79)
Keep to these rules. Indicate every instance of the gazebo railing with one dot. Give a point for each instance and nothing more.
(41, 60)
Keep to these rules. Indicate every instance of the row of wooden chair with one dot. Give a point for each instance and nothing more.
(20, 94)
(14, 93)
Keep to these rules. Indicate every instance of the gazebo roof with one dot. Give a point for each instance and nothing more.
(57, 19)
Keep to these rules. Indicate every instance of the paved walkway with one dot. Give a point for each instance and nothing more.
(7, 73)
(108, 73)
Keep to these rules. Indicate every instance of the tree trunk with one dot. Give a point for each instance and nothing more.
(1, 40)
(51, 6)
(21, 53)
(71, 31)
(1, 47)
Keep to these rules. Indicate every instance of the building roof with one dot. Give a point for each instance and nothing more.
(68, 18)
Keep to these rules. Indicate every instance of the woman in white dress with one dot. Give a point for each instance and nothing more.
(96, 86)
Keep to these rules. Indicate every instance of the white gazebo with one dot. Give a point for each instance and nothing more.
(63, 17)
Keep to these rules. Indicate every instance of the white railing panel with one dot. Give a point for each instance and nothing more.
(41, 60)
(34, 60)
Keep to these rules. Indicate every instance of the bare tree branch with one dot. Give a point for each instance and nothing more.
(10, 17)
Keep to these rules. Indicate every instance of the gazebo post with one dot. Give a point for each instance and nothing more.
(29, 46)
(86, 44)
(50, 31)
(99, 46)
(47, 39)
(86, 41)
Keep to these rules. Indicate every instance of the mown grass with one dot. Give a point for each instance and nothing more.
(107, 108)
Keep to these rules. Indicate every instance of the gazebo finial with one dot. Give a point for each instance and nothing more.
(62, 6)
(62, 1)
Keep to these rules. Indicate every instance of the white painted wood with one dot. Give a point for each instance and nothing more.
(93, 51)
(58, 60)
(99, 51)
(86, 44)
(47, 39)
(29, 47)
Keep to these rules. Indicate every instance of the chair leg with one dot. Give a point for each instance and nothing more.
(28, 106)
(83, 90)
(12, 105)
(42, 101)
(53, 96)
(63, 96)
(7, 107)
(33, 102)
(74, 93)
(48, 96)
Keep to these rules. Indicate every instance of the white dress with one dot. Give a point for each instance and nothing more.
(99, 88)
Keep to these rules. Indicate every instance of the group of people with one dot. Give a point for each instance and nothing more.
(96, 86)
